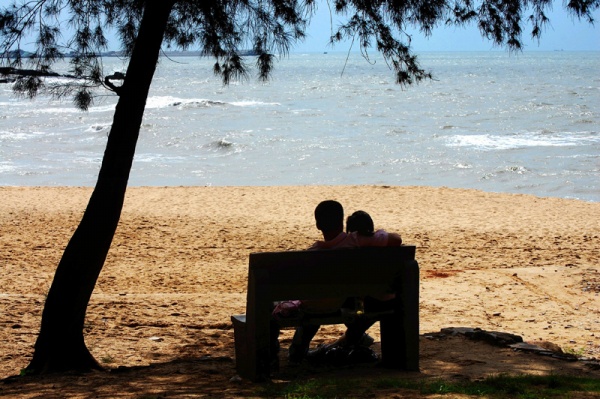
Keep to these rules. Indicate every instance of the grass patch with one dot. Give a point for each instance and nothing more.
(107, 359)
(497, 387)
(504, 386)
(317, 389)
(575, 352)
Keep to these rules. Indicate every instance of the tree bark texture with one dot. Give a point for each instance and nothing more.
(60, 345)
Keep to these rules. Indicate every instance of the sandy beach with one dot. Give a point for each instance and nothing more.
(177, 270)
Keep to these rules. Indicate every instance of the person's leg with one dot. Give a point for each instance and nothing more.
(301, 342)
(274, 345)
(356, 330)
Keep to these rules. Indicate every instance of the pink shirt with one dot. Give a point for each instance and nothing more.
(353, 240)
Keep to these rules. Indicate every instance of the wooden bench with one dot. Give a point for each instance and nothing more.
(343, 273)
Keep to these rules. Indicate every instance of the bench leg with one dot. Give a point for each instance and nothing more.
(245, 359)
(400, 331)
(256, 353)
(399, 348)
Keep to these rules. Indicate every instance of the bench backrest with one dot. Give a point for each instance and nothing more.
(339, 273)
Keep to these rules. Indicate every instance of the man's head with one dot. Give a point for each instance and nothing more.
(329, 216)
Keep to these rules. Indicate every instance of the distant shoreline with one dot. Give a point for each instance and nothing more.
(117, 53)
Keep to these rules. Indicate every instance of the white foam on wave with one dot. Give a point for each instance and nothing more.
(19, 136)
(68, 108)
(13, 103)
(101, 108)
(91, 159)
(156, 102)
(497, 142)
(7, 167)
(250, 103)
(150, 157)
(46, 105)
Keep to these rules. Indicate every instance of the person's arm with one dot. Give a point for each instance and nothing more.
(381, 238)
(394, 240)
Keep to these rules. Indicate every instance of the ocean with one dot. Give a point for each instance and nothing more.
(523, 123)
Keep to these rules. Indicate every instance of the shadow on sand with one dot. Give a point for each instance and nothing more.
(443, 356)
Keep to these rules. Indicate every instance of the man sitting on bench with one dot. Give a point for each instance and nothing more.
(329, 217)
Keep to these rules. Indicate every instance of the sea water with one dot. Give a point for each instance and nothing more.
(516, 123)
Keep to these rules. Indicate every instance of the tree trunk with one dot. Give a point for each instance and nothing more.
(60, 345)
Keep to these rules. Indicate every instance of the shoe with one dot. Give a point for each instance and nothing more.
(317, 354)
(361, 354)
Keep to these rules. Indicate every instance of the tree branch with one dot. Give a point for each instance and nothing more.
(8, 72)
(111, 85)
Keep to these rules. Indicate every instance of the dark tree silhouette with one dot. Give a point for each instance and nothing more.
(219, 28)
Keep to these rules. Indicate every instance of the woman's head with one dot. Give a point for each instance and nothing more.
(361, 222)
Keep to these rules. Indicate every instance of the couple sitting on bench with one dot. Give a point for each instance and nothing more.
(329, 216)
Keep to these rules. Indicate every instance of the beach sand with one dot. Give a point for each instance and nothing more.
(177, 270)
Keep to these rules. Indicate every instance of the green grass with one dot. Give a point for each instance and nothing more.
(320, 389)
(107, 359)
(497, 387)
(575, 352)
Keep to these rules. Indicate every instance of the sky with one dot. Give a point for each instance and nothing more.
(563, 33)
